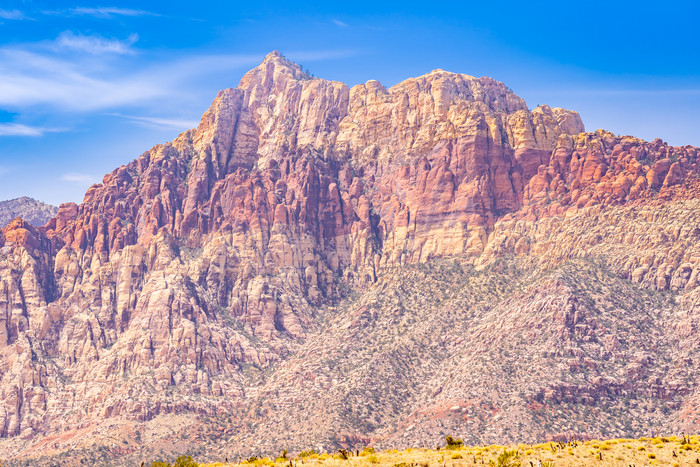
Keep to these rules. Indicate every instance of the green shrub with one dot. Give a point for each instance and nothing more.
(506, 459)
(308, 453)
(185, 461)
(453, 443)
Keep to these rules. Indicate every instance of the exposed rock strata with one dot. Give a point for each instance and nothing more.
(189, 274)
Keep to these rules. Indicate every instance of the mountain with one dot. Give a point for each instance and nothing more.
(319, 266)
(33, 211)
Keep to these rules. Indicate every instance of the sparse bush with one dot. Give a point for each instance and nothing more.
(651, 455)
(372, 459)
(456, 456)
(367, 451)
(453, 443)
(308, 453)
(185, 461)
(506, 459)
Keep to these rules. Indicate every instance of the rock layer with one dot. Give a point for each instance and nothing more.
(191, 274)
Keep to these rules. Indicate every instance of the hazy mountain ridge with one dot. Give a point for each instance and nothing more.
(323, 264)
(33, 211)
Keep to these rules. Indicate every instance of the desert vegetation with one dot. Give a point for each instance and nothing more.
(661, 450)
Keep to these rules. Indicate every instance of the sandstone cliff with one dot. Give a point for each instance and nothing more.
(230, 274)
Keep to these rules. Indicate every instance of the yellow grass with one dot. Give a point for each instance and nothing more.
(614, 452)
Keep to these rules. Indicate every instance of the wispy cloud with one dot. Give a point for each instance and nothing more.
(11, 14)
(95, 44)
(164, 123)
(78, 73)
(337, 22)
(63, 76)
(101, 12)
(17, 129)
(28, 79)
(77, 177)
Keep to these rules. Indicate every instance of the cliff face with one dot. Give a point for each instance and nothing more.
(192, 279)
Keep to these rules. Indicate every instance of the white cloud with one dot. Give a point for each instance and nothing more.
(28, 79)
(17, 129)
(108, 12)
(61, 76)
(95, 44)
(337, 22)
(77, 177)
(11, 14)
(165, 123)
(29, 76)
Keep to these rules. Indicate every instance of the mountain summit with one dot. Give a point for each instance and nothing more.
(319, 265)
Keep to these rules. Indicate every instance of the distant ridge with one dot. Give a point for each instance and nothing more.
(33, 211)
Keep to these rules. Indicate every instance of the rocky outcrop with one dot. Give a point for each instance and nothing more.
(188, 276)
(33, 211)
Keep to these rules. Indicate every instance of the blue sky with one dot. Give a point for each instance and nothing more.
(86, 87)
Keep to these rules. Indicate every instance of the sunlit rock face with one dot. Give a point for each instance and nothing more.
(193, 275)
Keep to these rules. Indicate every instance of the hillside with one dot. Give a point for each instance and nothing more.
(337, 267)
(33, 211)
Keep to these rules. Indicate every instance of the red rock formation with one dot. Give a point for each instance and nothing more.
(213, 252)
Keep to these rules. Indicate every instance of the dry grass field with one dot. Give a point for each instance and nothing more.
(672, 450)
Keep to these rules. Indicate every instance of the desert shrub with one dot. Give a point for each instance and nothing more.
(372, 459)
(456, 456)
(453, 443)
(308, 453)
(651, 455)
(185, 461)
(506, 459)
(160, 464)
(367, 451)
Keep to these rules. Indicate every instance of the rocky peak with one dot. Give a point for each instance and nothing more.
(446, 88)
(198, 266)
(273, 72)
